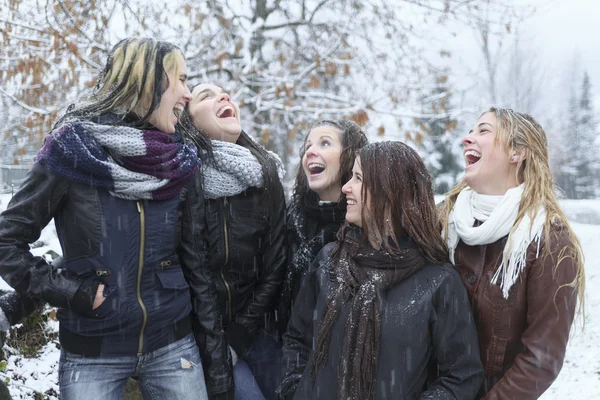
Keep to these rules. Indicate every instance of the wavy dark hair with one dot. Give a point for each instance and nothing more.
(399, 192)
(269, 163)
(352, 137)
(134, 78)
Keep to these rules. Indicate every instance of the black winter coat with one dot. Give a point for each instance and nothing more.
(245, 247)
(425, 316)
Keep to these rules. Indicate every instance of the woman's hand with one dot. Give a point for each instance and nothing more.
(99, 299)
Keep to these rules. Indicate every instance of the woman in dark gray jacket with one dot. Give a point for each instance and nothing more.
(381, 305)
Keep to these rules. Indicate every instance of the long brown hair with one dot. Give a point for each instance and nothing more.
(352, 137)
(520, 132)
(399, 192)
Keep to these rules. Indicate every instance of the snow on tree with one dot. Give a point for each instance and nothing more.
(288, 63)
(578, 174)
(440, 144)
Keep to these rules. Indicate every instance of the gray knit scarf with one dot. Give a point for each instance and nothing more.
(232, 170)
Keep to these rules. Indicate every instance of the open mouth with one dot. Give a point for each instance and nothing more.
(472, 157)
(350, 201)
(315, 168)
(177, 110)
(226, 112)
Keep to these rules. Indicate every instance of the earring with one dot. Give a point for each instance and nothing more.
(512, 158)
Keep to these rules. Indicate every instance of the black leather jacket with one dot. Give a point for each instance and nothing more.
(100, 236)
(425, 317)
(245, 243)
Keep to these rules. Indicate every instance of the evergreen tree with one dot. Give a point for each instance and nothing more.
(578, 177)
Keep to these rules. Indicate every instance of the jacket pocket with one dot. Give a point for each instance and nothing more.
(492, 293)
(249, 231)
(110, 304)
(81, 268)
(172, 278)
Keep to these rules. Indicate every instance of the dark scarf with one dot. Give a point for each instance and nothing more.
(361, 274)
(131, 163)
(313, 225)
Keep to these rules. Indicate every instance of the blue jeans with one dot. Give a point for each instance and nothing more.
(246, 387)
(173, 372)
(264, 359)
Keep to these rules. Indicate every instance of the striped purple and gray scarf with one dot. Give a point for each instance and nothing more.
(131, 163)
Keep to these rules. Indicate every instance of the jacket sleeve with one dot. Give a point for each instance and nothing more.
(16, 306)
(455, 343)
(207, 323)
(551, 303)
(267, 290)
(29, 211)
(298, 339)
(292, 278)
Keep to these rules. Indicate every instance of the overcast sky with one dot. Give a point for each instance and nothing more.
(563, 39)
(568, 30)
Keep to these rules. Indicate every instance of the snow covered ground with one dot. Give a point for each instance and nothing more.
(579, 378)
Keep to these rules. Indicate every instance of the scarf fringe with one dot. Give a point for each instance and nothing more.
(360, 274)
(514, 263)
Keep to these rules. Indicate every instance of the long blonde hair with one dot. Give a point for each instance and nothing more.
(521, 133)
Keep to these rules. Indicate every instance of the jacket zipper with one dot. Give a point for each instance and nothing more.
(140, 207)
(226, 235)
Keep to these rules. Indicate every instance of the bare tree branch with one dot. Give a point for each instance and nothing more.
(23, 105)
(22, 25)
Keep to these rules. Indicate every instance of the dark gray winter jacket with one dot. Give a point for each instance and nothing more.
(425, 317)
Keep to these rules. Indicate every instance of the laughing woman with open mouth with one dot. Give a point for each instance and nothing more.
(317, 208)
(244, 239)
(120, 184)
(518, 257)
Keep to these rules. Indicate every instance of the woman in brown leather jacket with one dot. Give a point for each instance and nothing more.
(518, 257)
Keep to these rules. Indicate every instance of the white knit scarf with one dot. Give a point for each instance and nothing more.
(498, 215)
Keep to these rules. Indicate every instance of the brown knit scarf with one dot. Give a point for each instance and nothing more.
(361, 274)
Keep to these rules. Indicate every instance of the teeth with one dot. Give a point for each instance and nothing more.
(315, 165)
(472, 153)
(177, 110)
(222, 110)
(351, 202)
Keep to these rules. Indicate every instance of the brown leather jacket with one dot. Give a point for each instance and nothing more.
(522, 339)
